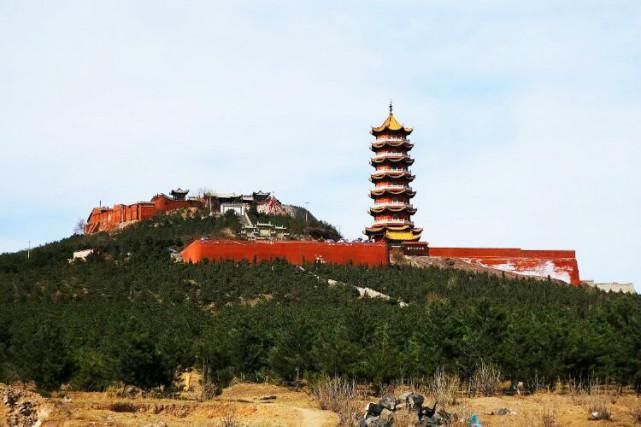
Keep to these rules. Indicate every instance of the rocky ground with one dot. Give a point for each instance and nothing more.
(459, 264)
(269, 405)
(541, 409)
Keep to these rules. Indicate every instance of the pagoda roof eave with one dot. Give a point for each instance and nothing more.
(375, 196)
(380, 191)
(377, 131)
(379, 228)
(410, 210)
(405, 159)
(392, 143)
(405, 175)
(391, 125)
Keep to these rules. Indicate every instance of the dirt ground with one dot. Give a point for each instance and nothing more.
(269, 405)
(558, 410)
(241, 404)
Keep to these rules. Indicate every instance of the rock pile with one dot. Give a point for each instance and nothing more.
(381, 414)
(21, 407)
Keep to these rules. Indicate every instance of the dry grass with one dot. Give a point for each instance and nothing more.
(244, 404)
(550, 418)
(636, 415)
(228, 416)
(340, 396)
(444, 387)
(462, 413)
(404, 418)
(597, 398)
(485, 381)
(599, 407)
(123, 407)
(578, 390)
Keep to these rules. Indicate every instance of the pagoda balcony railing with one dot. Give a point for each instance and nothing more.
(393, 221)
(390, 170)
(393, 187)
(383, 154)
(393, 204)
(391, 139)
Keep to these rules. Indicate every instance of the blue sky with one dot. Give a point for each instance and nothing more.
(527, 115)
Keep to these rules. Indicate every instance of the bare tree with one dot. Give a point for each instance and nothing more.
(203, 191)
(79, 229)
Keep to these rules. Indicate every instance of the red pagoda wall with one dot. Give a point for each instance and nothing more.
(558, 264)
(294, 252)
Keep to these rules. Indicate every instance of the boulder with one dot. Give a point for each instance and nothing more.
(373, 410)
(376, 422)
(414, 402)
(388, 402)
(387, 417)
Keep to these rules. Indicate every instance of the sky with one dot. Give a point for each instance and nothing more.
(527, 115)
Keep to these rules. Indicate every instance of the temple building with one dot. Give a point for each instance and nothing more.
(392, 209)
(240, 204)
(179, 194)
(264, 231)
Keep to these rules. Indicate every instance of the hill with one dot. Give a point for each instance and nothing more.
(131, 315)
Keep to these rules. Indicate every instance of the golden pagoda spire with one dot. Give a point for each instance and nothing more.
(391, 124)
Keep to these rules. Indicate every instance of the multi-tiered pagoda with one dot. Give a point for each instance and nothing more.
(392, 210)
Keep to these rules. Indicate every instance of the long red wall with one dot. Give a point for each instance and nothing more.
(558, 264)
(294, 252)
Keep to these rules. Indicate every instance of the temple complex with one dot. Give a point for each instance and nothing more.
(391, 233)
(121, 216)
(392, 210)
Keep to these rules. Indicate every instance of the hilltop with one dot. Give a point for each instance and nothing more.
(257, 213)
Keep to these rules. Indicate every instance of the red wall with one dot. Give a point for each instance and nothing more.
(164, 203)
(108, 219)
(558, 264)
(295, 252)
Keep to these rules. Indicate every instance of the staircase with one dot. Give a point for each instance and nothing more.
(245, 220)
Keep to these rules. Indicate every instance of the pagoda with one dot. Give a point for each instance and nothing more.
(392, 209)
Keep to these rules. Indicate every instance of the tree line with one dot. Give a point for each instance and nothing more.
(131, 315)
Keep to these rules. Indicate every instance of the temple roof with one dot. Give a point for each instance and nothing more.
(391, 124)
(402, 235)
(179, 193)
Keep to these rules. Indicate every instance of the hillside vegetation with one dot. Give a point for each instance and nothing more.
(131, 315)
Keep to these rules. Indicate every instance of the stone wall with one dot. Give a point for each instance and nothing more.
(626, 288)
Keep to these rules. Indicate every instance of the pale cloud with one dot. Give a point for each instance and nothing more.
(526, 115)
